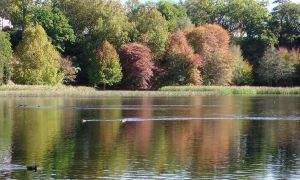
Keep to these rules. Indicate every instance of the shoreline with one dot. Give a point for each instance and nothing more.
(84, 91)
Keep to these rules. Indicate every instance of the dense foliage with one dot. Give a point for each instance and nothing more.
(5, 57)
(212, 43)
(37, 59)
(151, 29)
(189, 42)
(105, 68)
(137, 64)
(180, 62)
(243, 73)
(276, 68)
(69, 71)
(56, 25)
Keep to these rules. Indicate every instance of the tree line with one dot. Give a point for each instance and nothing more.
(137, 45)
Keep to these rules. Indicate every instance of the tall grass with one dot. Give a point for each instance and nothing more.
(82, 91)
(233, 89)
(78, 91)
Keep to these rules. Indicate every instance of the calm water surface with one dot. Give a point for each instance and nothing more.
(219, 137)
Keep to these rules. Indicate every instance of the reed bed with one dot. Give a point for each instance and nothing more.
(79, 91)
(233, 89)
(83, 91)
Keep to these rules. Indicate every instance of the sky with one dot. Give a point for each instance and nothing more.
(271, 5)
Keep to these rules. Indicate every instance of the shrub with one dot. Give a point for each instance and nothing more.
(105, 69)
(137, 66)
(69, 71)
(37, 59)
(180, 62)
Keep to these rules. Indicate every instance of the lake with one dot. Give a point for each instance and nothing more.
(217, 137)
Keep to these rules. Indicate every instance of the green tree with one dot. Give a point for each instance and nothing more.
(201, 11)
(20, 11)
(114, 24)
(151, 29)
(5, 57)
(38, 60)
(238, 17)
(82, 15)
(285, 24)
(106, 68)
(175, 14)
(274, 69)
(56, 25)
(93, 22)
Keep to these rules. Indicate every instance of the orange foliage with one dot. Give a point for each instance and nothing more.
(209, 37)
(211, 41)
(181, 61)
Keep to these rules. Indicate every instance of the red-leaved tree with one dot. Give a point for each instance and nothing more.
(181, 63)
(137, 66)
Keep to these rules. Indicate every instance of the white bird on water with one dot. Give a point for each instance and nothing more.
(124, 120)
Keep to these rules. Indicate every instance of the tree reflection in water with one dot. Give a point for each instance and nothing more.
(56, 140)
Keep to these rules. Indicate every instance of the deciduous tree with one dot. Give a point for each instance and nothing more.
(151, 29)
(137, 66)
(212, 43)
(181, 63)
(38, 60)
(275, 69)
(175, 14)
(106, 68)
(56, 25)
(285, 24)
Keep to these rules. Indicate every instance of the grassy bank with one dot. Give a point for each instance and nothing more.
(82, 91)
(79, 91)
(232, 89)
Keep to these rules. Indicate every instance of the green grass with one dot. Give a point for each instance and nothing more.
(233, 89)
(82, 91)
(78, 91)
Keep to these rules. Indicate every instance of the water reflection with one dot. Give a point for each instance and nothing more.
(58, 142)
